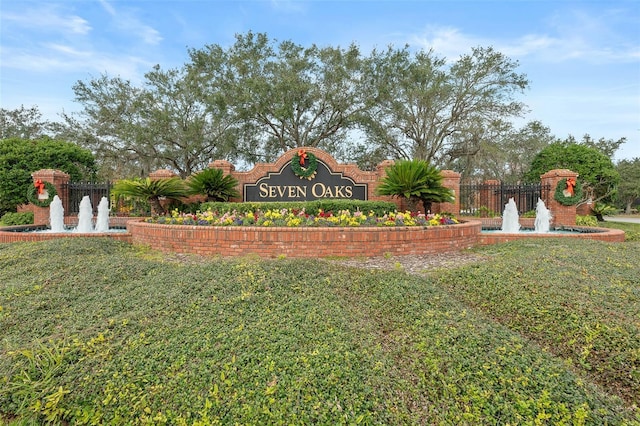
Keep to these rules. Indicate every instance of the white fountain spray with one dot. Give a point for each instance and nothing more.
(85, 216)
(56, 215)
(102, 223)
(510, 219)
(543, 217)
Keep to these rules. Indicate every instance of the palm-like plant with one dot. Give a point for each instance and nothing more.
(152, 190)
(214, 184)
(415, 180)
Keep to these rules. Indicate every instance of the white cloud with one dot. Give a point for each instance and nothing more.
(567, 37)
(48, 18)
(127, 22)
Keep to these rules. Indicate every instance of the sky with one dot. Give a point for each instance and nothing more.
(582, 58)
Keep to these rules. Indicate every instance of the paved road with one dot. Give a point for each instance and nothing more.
(622, 219)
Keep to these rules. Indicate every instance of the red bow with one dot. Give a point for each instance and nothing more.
(39, 186)
(571, 183)
(303, 155)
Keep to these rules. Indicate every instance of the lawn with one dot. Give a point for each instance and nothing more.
(95, 331)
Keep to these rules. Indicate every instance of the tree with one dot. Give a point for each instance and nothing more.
(504, 153)
(415, 180)
(214, 184)
(607, 146)
(165, 124)
(20, 157)
(285, 95)
(595, 170)
(23, 123)
(152, 191)
(629, 186)
(424, 109)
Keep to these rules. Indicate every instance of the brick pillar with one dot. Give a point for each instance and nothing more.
(450, 180)
(562, 215)
(226, 167)
(59, 180)
(488, 197)
(162, 174)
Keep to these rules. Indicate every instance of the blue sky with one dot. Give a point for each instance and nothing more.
(582, 58)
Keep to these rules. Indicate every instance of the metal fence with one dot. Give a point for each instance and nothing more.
(77, 190)
(487, 200)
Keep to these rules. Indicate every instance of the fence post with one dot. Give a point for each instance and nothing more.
(562, 215)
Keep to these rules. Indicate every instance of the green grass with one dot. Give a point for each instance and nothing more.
(632, 230)
(98, 332)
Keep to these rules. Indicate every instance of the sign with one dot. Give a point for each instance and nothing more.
(285, 185)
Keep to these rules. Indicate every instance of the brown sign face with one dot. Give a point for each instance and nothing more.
(285, 185)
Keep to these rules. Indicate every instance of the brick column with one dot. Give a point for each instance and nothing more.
(451, 180)
(226, 167)
(562, 215)
(59, 180)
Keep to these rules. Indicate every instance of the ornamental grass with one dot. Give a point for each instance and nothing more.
(298, 218)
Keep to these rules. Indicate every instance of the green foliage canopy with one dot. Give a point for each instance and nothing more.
(425, 108)
(285, 95)
(629, 187)
(595, 170)
(20, 157)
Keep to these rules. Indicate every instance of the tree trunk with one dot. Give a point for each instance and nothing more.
(156, 207)
(412, 204)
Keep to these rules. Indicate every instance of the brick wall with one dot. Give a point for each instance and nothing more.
(371, 178)
(304, 242)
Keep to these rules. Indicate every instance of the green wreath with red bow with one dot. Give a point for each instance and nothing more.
(302, 158)
(568, 192)
(40, 187)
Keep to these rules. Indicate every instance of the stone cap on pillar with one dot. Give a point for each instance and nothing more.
(162, 174)
(559, 173)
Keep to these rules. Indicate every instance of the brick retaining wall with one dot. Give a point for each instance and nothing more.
(305, 241)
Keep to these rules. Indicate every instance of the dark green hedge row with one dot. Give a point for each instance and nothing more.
(379, 208)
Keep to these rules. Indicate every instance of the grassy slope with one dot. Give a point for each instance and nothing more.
(94, 330)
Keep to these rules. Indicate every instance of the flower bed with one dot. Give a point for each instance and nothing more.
(299, 218)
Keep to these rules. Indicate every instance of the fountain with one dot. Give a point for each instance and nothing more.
(543, 217)
(102, 223)
(510, 221)
(85, 216)
(56, 215)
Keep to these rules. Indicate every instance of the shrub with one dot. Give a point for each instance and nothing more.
(415, 180)
(379, 208)
(586, 221)
(214, 184)
(10, 219)
(151, 191)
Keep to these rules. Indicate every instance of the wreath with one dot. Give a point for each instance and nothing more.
(568, 192)
(298, 162)
(38, 188)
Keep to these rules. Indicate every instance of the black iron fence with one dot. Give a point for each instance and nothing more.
(77, 190)
(489, 199)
